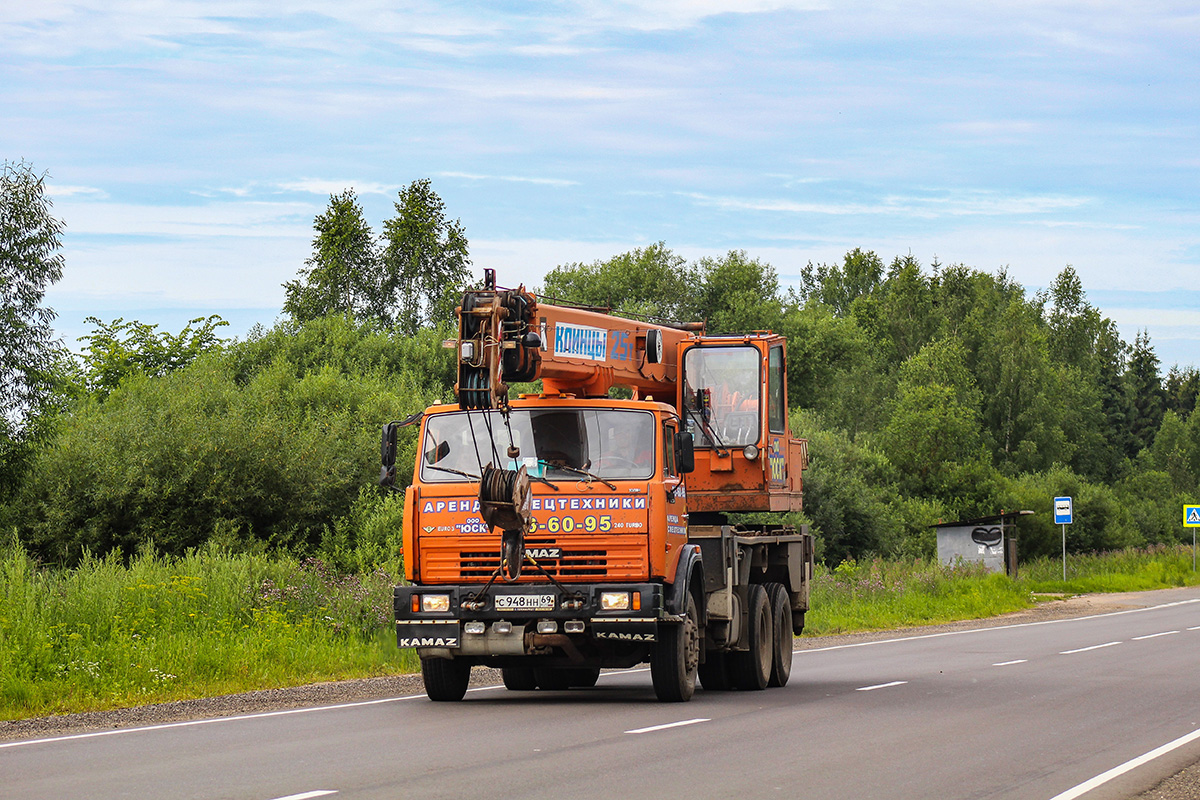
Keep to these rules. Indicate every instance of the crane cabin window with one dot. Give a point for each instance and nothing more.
(723, 395)
(776, 403)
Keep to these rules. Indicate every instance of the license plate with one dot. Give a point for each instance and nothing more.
(524, 602)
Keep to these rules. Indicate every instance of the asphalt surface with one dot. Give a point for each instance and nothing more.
(1024, 707)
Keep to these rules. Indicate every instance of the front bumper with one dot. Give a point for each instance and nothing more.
(525, 619)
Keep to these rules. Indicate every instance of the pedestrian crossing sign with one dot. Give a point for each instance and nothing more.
(1191, 516)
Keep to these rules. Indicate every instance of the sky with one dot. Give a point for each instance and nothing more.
(190, 144)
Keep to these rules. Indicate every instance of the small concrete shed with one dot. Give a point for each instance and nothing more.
(991, 540)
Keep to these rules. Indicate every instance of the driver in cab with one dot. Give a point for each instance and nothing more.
(626, 454)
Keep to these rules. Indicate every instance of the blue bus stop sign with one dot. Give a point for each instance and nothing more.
(1062, 511)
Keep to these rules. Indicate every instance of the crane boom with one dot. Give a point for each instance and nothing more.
(729, 391)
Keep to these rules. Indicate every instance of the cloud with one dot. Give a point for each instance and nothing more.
(222, 219)
(510, 178)
(64, 190)
(324, 187)
(979, 203)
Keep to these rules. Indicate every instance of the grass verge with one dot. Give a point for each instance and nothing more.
(109, 634)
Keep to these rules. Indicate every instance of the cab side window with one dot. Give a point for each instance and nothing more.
(669, 449)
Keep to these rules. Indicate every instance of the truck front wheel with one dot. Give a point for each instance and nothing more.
(445, 678)
(519, 679)
(674, 660)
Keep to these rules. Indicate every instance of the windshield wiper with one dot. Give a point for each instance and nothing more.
(578, 471)
(453, 471)
(709, 432)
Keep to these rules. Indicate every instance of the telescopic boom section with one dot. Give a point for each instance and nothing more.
(507, 336)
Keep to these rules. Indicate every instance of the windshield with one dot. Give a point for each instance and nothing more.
(553, 443)
(721, 395)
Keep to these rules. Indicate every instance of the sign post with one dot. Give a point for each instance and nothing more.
(1191, 519)
(1064, 515)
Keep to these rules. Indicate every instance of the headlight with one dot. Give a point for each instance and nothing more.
(614, 601)
(750, 452)
(474, 627)
(435, 602)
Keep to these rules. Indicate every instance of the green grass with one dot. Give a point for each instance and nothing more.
(879, 595)
(109, 634)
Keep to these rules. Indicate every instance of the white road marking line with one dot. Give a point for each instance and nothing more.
(653, 728)
(238, 718)
(1153, 635)
(995, 628)
(211, 721)
(1103, 778)
(1197, 628)
(308, 795)
(1009, 663)
(1085, 649)
(880, 686)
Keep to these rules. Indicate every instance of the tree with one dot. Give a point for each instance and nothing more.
(343, 275)
(837, 287)
(1182, 388)
(119, 349)
(738, 294)
(1145, 392)
(425, 259)
(650, 281)
(30, 261)
(933, 436)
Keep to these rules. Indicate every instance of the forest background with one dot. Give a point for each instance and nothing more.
(927, 392)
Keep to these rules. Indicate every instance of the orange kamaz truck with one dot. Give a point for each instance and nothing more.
(555, 534)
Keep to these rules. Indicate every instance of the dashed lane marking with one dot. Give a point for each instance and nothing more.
(1010, 663)
(880, 686)
(1153, 635)
(1085, 649)
(679, 724)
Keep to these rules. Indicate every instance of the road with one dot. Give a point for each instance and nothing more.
(1057, 709)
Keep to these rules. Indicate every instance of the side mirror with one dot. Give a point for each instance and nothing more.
(685, 452)
(387, 454)
(435, 454)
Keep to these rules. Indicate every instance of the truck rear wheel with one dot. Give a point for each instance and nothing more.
(781, 613)
(519, 679)
(584, 677)
(445, 678)
(752, 668)
(714, 672)
(676, 656)
(552, 679)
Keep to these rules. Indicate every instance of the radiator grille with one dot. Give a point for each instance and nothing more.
(588, 558)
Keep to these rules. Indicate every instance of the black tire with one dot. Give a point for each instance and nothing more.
(752, 668)
(714, 672)
(519, 679)
(583, 677)
(553, 680)
(676, 657)
(781, 613)
(445, 679)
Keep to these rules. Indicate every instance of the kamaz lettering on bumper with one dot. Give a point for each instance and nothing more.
(428, 641)
(626, 636)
